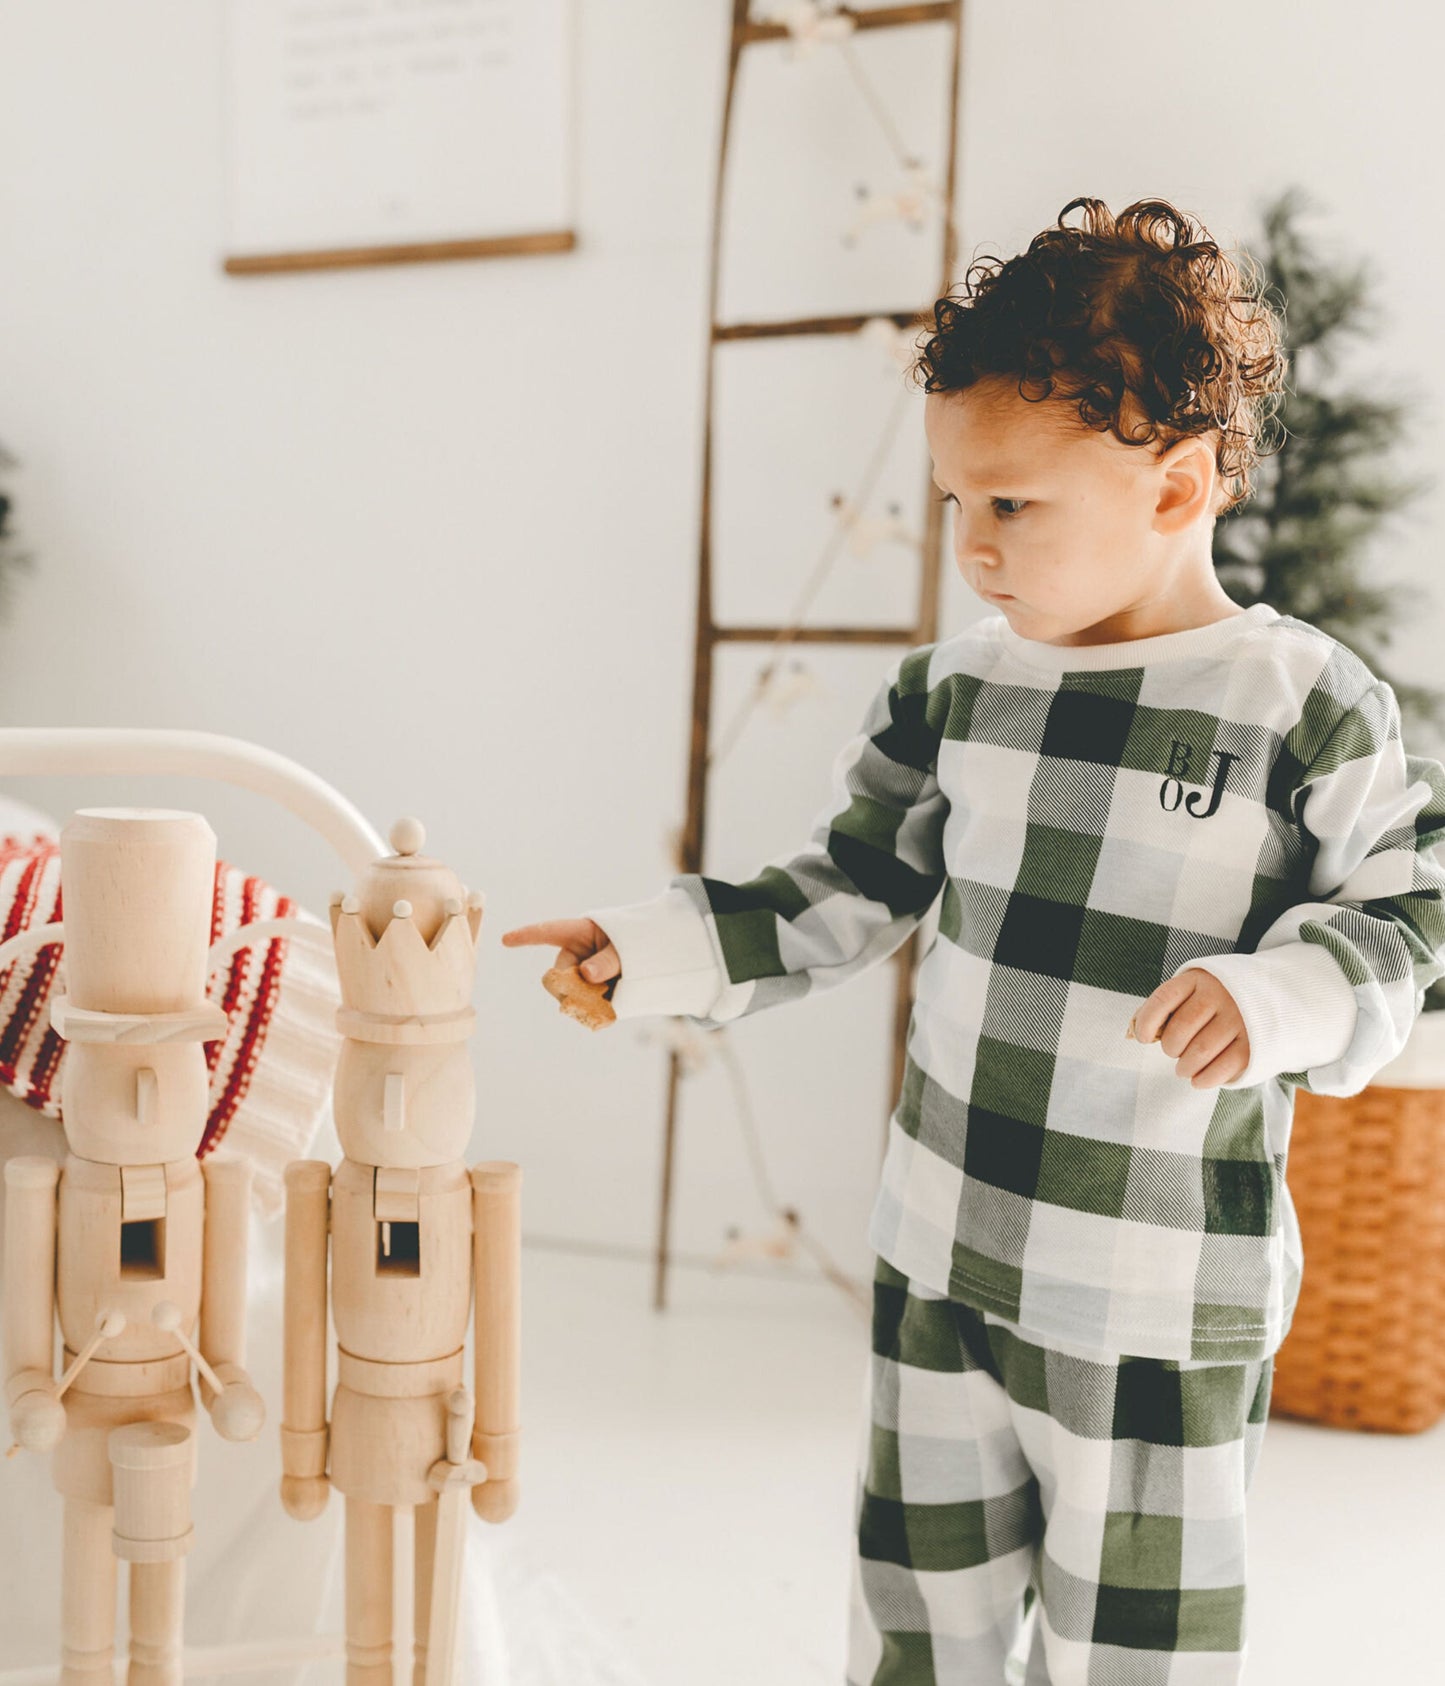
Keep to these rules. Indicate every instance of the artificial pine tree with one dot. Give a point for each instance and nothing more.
(1299, 542)
(11, 559)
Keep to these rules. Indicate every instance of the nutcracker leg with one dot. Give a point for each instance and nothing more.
(157, 1619)
(425, 1523)
(368, 1594)
(87, 1599)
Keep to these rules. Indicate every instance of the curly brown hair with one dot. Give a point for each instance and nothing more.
(1140, 310)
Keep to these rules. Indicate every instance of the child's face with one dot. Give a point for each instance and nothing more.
(1078, 528)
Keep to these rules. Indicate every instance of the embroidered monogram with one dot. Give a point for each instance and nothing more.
(1178, 772)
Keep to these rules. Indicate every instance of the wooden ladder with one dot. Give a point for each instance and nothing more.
(747, 33)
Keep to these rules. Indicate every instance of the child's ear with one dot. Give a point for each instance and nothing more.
(1188, 485)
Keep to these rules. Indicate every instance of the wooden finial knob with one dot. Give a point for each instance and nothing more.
(167, 1316)
(407, 836)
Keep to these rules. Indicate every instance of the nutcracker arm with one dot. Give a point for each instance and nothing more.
(37, 1418)
(496, 1262)
(237, 1410)
(304, 1488)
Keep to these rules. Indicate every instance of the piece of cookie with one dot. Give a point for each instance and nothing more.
(586, 1002)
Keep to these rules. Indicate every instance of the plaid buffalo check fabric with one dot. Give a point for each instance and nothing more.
(1091, 821)
(996, 1470)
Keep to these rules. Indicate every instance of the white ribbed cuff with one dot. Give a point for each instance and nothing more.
(1298, 1007)
(668, 964)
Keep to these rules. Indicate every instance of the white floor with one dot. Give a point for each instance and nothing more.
(686, 1510)
(689, 1488)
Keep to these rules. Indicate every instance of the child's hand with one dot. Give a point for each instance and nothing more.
(1195, 1021)
(583, 943)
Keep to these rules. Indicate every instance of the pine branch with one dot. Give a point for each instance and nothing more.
(1301, 541)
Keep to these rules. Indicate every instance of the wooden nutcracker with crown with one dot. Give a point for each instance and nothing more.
(420, 1247)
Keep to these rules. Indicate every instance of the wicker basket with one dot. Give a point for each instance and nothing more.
(1366, 1349)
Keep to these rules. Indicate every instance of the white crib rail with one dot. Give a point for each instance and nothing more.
(146, 751)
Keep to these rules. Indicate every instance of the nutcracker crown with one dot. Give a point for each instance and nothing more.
(406, 940)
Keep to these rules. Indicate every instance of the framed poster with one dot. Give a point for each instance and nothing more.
(392, 131)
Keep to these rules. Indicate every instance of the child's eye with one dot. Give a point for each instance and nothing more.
(1020, 504)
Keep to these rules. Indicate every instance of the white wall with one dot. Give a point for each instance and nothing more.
(431, 529)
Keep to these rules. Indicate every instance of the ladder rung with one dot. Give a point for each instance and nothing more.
(870, 17)
(816, 325)
(815, 634)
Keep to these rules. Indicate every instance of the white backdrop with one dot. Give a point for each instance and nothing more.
(432, 529)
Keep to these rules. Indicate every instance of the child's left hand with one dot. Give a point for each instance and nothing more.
(1195, 1021)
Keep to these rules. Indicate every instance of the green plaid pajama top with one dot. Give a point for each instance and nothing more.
(1096, 819)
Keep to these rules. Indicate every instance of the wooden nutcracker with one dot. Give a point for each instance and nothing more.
(419, 1247)
(137, 1249)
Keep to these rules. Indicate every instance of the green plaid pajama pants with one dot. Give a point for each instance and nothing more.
(996, 1472)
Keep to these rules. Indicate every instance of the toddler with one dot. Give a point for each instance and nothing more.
(1186, 867)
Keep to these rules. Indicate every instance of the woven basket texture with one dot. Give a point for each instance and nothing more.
(1366, 1348)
